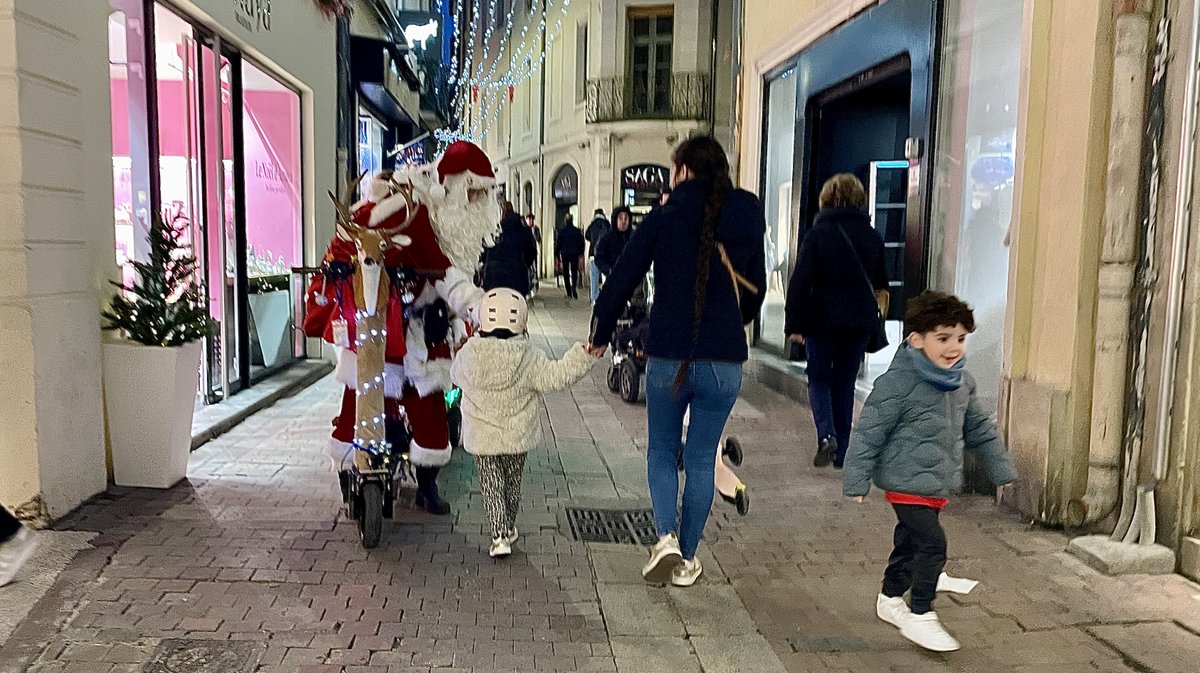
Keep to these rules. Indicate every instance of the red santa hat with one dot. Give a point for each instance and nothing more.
(464, 157)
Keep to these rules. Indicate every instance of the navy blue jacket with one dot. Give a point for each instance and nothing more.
(669, 239)
(828, 293)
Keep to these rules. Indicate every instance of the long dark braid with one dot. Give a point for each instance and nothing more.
(705, 157)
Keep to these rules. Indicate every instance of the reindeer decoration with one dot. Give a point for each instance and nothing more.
(372, 288)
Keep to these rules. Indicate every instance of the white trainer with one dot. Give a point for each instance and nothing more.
(664, 556)
(686, 573)
(927, 631)
(500, 547)
(14, 554)
(892, 610)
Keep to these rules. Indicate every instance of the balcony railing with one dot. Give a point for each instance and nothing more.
(614, 99)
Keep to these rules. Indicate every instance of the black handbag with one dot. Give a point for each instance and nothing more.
(877, 339)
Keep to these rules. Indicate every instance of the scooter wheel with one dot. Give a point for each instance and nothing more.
(370, 521)
(733, 451)
(742, 502)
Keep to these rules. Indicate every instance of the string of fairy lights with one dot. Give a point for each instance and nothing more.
(480, 88)
(377, 424)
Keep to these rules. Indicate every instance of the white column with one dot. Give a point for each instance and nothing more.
(55, 210)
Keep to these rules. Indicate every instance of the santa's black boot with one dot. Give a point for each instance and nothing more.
(427, 492)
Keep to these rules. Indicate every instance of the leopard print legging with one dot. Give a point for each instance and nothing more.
(500, 484)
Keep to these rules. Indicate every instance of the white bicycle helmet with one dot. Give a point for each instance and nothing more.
(503, 308)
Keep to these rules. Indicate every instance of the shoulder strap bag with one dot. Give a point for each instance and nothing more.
(877, 340)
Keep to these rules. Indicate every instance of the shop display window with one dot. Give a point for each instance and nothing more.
(781, 240)
(975, 164)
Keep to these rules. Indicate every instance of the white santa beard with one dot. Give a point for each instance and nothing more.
(464, 228)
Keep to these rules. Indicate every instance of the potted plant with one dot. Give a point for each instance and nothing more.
(150, 373)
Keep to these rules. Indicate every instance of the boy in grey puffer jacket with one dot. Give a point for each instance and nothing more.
(919, 418)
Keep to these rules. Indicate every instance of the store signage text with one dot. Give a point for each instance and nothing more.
(253, 15)
(646, 178)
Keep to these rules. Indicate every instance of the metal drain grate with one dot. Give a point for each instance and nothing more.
(620, 526)
(204, 656)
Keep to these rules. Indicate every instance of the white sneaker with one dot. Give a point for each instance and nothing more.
(686, 573)
(664, 556)
(14, 554)
(500, 547)
(927, 631)
(892, 610)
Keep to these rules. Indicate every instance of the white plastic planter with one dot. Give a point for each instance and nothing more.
(150, 397)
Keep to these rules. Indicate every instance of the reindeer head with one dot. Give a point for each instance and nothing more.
(372, 245)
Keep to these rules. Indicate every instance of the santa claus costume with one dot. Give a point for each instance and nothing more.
(430, 276)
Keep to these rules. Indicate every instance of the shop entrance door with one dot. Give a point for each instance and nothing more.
(224, 237)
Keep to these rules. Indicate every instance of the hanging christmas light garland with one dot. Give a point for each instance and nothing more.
(524, 64)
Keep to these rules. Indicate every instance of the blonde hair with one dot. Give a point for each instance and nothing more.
(842, 190)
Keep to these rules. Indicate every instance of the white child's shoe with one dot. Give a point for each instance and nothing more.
(927, 631)
(686, 573)
(15, 552)
(894, 611)
(664, 556)
(500, 547)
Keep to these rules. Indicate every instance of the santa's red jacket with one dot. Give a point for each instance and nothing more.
(409, 359)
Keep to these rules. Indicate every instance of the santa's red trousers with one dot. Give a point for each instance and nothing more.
(426, 417)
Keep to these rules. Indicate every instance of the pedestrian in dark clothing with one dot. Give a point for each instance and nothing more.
(568, 250)
(507, 262)
(706, 246)
(831, 310)
(614, 243)
(596, 231)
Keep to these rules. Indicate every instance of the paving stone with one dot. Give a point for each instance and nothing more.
(641, 654)
(638, 610)
(712, 611)
(725, 654)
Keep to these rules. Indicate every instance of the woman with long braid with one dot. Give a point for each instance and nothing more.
(706, 246)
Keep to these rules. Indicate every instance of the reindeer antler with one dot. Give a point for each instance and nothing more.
(404, 191)
(345, 217)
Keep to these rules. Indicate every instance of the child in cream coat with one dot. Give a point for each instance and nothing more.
(503, 377)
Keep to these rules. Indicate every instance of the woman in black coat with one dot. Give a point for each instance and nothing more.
(507, 262)
(831, 307)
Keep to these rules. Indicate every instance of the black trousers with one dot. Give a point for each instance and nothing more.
(918, 557)
(8, 525)
(570, 270)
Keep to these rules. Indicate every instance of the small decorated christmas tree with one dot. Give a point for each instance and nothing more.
(164, 307)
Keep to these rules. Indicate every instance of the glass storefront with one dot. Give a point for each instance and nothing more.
(777, 204)
(974, 167)
(226, 140)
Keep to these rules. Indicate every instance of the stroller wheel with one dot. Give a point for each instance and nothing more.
(630, 381)
(733, 451)
(614, 379)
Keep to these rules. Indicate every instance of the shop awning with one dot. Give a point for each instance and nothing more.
(382, 102)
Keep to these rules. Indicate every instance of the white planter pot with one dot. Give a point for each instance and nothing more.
(150, 397)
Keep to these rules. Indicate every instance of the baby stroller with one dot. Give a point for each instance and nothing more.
(629, 350)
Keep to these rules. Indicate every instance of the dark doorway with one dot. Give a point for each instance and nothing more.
(862, 120)
(857, 127)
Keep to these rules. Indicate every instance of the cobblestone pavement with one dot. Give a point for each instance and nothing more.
(249, 566)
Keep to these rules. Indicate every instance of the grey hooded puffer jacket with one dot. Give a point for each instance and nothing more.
(911, 436)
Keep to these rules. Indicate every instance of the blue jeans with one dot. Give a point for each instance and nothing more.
(710, 389)
(833, 364)
(594, 279)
